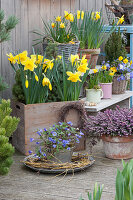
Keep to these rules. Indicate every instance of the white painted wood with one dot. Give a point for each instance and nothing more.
(105, 103)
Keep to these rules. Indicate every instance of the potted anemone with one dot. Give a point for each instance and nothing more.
(57, 142)
(90, 31)
(115, 128)
(60, 34)
(94, 92)
(120, 67)
(35, 77)
(105, 80)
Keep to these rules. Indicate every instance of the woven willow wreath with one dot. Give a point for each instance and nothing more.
(79, 107)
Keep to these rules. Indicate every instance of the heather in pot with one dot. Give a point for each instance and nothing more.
(115, 127)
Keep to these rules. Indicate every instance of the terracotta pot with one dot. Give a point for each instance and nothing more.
(92, 55)
(118, 147)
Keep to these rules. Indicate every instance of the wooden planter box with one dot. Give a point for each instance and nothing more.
(38, 116)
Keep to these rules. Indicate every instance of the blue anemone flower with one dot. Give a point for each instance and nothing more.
(38, 133)
(44, 154)
(60, 123)
(54, 133)
(37, 142)
(45, 129)
(68, 148)
(30, 152)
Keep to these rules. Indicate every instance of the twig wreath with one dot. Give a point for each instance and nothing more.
(79, 107)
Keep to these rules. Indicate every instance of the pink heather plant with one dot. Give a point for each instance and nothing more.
(118, 122)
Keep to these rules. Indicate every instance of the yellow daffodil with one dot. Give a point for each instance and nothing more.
(58, 19)
(36, 77)
(68, 36)
(21, 57)
(131, 62)
(120, 58)
(97, 15)
(11, 58)
(59, 57)
(38, 59)
(74, 58)
(62, 25)
(83, 67)
(121, 20)
(46, 82)
(82, 15)
(78, 14)
(104, 67)
(84, 60)
(71, 42)
(125, 60)
(74, 77)
(26, 83)
(53, 25)
(95, 71)
(66, 15)
(48, 64)
(71, 17)
(29, 64)
(113, 69)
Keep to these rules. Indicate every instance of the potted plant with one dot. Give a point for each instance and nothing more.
(115, 128)
(90, 31)
(57, 142)
(36, 76)
(121, 67)
(94, 92)
(105, 80)
(59, 32)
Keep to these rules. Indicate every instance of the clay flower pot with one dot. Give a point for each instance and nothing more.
(91, 55)
(118, 147)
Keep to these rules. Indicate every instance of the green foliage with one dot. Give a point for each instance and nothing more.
(124, 182)
(114, 48)
(90, 30)
(5, 28)
(3, 85)
(97, 193)
(8, 125)
(17, 89)
(51, 50)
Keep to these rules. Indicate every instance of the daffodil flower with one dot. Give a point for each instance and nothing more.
(104, 67)
(29, 64)
(82, 15)
(38, 59)
(83, 67)
(58, 19)
(62, 25)
(66, 15)
(74, 58)
(26, 83)
(121, 20)
(46, 82)
(78, 14)
(95, 71)
(53, 25)
(74, 77)
(21, 57)
(71, 17)
(11, 58)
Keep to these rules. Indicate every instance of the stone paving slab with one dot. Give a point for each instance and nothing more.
(23, 184)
